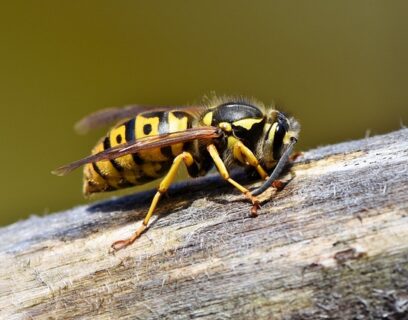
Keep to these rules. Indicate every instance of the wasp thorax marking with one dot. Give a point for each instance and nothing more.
(147, 128)
(225, 126)
(207, 119)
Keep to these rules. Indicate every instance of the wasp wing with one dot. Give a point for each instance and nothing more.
(109, 116)
(147, 143)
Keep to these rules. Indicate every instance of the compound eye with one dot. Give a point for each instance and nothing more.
(280, 131)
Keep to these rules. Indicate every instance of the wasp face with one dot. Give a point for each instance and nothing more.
(278, 132)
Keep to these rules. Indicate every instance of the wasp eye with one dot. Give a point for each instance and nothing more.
(280, 131)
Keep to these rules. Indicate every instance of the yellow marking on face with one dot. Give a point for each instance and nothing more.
(207, 119)
(225, 126)
(247, 123)
(176, 124)
(151, 126)
(272, 132)
(266, 127)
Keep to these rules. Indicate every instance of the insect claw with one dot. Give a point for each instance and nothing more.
(254, 209)
(278, 185)
(120, 244)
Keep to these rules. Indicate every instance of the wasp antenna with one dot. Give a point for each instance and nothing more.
(278, 169)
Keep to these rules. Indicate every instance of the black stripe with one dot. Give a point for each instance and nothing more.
(180, 114)
(98, 171)
(130, 130)
(130, 136)
(104, 177)
(137, 159)
(193, 170)
(189, 121)
(115, 164)
(106, 143)
(167, 152)
(277, 142)
(152, 114)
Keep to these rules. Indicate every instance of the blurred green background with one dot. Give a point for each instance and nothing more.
(340, 67)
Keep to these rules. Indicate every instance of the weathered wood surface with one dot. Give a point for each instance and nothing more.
(332, 244)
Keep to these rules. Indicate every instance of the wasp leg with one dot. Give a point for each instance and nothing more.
(185, 157)
(246, 156)
(224, 173)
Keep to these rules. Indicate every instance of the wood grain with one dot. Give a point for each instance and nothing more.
(333, 244)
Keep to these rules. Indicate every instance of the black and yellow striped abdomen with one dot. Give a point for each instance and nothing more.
(142, 167)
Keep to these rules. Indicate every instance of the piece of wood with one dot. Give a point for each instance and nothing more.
(332, 244)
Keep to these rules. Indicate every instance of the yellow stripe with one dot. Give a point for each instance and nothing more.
(176, 124)
(105, 167)
(207, 119)
(271, 135)
(231, 141)
(126, 162)
(141, 122)
(98, 183)
(112, 176)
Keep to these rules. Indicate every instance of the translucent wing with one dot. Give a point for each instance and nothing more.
(109, 116)
(158, 141)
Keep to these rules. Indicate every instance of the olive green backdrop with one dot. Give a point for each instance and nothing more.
(340, 67)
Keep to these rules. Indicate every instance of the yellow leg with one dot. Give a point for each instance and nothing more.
(224, 173)
(246, 156)
(185, 157)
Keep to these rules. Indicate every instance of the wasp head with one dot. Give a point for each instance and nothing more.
(278, 132)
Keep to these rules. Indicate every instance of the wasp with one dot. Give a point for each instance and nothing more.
(148, 144)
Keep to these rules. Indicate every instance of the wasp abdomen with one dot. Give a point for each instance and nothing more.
(141, 167)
